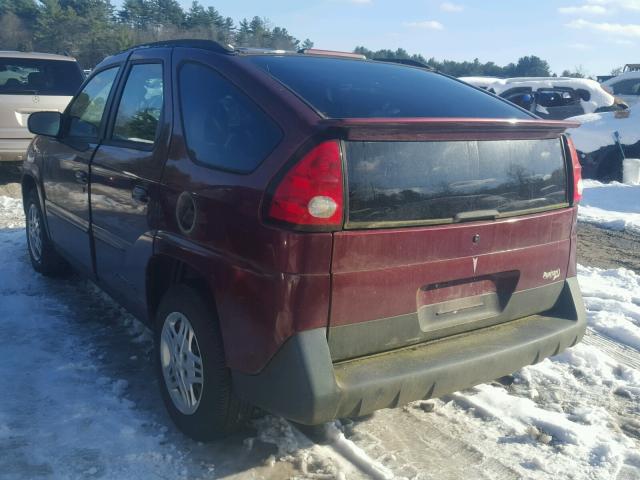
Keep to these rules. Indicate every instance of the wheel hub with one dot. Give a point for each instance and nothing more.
(181, 363)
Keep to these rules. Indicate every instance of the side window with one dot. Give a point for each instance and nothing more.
(223, 128)
(141, 105)
(86, 112)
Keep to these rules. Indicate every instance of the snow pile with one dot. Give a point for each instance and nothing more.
(11, 213)
(614, 205)
(631, 171)
(612, 298)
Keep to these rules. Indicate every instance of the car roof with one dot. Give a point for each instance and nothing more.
(35, 55)
(623, 76)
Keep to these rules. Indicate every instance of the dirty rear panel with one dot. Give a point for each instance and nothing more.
(443, 237)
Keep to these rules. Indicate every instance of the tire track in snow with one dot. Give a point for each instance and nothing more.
(622, 353)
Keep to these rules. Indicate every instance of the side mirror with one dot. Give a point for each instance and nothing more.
(45, 123)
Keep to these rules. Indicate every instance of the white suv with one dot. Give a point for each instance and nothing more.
(625, 86)
(31, 82)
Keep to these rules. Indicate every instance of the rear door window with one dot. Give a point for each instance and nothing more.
(140, 106)
(32, 76)
(223, 127)
(345, 88)
(407, 183)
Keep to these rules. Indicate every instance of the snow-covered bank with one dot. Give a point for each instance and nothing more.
(60, 416)
(79, 397)
(571, 412)
(611, 205)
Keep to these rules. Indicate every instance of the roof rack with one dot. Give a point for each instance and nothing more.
(405, 61)
(262, 51)
(188, 43)
(331, 53)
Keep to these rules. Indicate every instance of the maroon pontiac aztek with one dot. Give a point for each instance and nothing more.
(313, 233)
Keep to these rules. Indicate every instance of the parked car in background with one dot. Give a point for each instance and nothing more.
(604, 140)
(625, 86)
(31, 82)
(313, 233)
(553, 97)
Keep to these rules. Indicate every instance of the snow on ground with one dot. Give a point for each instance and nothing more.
(79, 399)
(611, 205)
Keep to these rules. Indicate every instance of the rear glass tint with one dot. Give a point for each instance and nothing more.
(31, 76)
(343, 88)
(433, 182)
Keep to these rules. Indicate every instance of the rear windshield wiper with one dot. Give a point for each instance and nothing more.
(476, 215)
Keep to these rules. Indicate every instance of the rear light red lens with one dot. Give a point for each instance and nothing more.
(311, 193)
(577, 172)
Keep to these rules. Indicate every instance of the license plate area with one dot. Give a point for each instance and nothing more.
(444, 306)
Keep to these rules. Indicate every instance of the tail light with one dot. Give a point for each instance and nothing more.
(576, 168)
(311, 192)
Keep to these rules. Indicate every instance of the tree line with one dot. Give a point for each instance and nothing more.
(93, 29)
(528, 66)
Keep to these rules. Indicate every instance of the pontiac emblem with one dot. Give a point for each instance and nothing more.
(475, 264)
(36, 99)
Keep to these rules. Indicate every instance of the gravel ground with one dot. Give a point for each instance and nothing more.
(602, 248)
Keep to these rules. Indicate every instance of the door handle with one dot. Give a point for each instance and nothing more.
(140, 193)
(81, 177)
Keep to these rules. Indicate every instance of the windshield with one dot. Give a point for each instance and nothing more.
(31, 76)
(344, 88)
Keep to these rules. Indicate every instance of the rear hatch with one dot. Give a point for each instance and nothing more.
(30, 85)
(450, 225)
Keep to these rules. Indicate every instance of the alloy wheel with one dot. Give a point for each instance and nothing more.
(34, 226)
(181, 363)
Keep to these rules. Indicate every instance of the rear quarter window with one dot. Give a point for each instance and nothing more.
(223, 127)
(345, 88)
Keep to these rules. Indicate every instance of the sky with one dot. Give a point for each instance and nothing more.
(597, 35)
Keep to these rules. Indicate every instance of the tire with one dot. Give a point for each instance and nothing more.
(44, 257)
(205, 409)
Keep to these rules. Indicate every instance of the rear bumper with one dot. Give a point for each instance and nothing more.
(14, 150)
(301, 382)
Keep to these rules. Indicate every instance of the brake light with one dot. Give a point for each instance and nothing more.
(311, 193)
(577, 172)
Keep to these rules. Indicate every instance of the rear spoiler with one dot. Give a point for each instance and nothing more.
(408, 129)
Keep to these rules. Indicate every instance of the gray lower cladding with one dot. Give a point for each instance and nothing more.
(303, 384)
(366, 338)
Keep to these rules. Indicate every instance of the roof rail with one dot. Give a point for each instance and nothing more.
(264, 51)
(188, 43)
(405, 61)
(331, 53)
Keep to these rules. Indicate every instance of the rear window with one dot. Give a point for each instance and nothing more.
(343, 88)
(441, 182)
(30, 76)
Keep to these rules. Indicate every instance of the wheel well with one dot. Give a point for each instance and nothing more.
(163, 272)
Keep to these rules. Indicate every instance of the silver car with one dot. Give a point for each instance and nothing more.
(31, 82)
